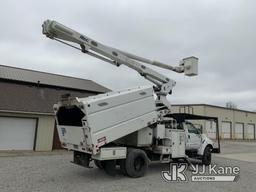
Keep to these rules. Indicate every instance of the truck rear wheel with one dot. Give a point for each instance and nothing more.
(136, 163)
(207, 156)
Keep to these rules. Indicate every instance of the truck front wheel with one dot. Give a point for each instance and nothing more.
(136, 163)
(207, 156)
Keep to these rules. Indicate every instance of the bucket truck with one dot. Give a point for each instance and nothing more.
(129, 128)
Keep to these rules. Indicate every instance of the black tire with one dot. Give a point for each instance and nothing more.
(136, 163)
(99, 164)
(207, 156)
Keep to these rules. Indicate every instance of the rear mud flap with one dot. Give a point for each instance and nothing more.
(110, 167)
(82, 159)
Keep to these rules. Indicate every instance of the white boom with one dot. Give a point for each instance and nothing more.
(164, 85)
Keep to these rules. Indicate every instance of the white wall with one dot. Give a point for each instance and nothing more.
(44, 129)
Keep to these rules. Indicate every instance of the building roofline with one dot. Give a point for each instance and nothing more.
(59, 75)
(32, 70)
(27, 112)
(48, 86)
(216, 106)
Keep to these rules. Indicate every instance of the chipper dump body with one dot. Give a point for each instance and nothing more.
(81, 125)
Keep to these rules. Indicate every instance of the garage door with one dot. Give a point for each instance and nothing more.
(226, 130)
(17, 133)
(239, 131)
(250, 131)
(210, 129)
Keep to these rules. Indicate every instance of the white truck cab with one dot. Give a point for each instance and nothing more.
(197, 143)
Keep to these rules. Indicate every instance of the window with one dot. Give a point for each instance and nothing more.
(192, 129)
(168, 125)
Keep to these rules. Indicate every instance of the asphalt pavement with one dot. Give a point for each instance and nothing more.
(52, 172)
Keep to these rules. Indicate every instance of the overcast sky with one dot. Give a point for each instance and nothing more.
(222, 34)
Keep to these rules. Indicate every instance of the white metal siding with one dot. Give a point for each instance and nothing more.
(239, 130)
(210, 129)
(226, 130)
(17, 133)
(250, 131)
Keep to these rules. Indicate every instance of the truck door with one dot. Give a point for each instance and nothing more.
(193, 136)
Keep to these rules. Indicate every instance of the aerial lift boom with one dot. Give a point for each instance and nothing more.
(163, 85)
(130, 127)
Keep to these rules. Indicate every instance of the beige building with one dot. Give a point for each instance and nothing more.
(233, 123)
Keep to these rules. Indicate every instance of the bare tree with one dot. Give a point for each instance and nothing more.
(231, 105)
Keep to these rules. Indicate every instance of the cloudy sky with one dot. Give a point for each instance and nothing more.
(221, 33)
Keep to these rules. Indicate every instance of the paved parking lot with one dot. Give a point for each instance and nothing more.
(45, 172)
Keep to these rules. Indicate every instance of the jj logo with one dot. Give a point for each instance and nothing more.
(176, 173)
